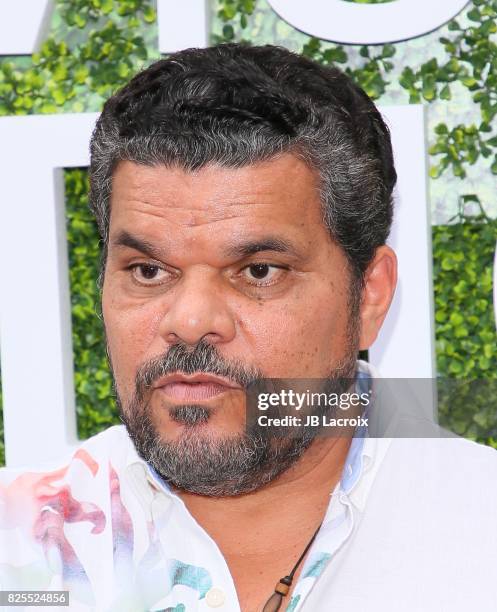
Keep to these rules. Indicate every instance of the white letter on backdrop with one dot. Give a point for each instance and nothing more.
(367, 24)
(23, 25)
(35, 308)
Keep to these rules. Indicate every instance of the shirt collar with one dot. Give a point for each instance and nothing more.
(365, 454)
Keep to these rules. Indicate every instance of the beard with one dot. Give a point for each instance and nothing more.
(207, 465)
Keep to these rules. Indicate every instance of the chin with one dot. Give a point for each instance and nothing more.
(197, 420)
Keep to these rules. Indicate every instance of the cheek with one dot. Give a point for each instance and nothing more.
(130, 337)
(303, 337)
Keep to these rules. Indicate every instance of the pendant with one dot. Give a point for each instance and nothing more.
(273, 604)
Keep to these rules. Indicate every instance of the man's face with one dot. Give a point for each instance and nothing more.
(226, 271)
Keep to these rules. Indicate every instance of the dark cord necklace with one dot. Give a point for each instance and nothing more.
(273, 604)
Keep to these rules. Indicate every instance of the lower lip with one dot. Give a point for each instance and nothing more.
(193, 391)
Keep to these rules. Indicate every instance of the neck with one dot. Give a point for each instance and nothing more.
(294, 502)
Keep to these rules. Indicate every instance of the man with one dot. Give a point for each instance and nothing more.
(244, 197)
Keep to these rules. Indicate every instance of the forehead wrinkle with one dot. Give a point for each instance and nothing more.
(214, 211)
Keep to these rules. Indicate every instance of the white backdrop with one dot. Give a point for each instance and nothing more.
(35, 322)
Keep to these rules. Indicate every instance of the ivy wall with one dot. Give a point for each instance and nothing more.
(94, 46)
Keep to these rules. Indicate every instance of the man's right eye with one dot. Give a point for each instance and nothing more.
(148, 274)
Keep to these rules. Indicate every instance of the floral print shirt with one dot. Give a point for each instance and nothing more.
(104, 527)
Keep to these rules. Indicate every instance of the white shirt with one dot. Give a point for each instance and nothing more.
(410, 527)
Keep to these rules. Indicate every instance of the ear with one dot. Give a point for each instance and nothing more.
(380, 280)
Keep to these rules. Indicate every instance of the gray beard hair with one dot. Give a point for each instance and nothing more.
(204, 465)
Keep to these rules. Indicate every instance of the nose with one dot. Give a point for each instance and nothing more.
(197, 309)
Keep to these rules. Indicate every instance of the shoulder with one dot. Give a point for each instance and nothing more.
(447, 451)
(112, 445)
(449, 465)
(39, 505)
(29, 496)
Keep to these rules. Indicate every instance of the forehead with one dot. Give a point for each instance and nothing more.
(280, 194)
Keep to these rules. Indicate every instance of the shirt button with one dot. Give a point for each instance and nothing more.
(214, 598)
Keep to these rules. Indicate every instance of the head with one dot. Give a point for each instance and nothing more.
(244, 197)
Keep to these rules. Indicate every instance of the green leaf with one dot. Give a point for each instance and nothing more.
(228, 32)
(107, 6)
(429, 88)
(435, 172)
(388, 51)
(455, 367)
(441, 129)
(79, 20)
(469, 82)
(445, 93)
(60, 73)
(123, 70)
(80, 74)
(474, 14)
(59, 96)
(149, 14)
(456, 319)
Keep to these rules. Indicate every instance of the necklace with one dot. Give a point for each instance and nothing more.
(273, 604)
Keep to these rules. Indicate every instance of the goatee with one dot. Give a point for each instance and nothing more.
(198, 462)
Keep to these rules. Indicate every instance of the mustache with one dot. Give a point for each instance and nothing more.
(203, 358)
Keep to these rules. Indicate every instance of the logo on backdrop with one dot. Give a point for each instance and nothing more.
(184, 24)
(353, 23)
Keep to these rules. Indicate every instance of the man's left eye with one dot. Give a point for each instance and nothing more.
(264, 272)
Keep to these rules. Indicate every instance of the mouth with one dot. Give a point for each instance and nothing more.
(195, 387)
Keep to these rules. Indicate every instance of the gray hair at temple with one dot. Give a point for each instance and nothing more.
(235, 105)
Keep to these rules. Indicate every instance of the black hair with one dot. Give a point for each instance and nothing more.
(236, 104)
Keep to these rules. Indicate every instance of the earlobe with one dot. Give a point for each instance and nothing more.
(380, 280)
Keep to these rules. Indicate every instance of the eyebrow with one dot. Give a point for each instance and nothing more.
(243, 249)
(125, 239)
(268, 243)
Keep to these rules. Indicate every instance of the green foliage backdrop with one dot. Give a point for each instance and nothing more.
(92, 380)
(95, 46)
